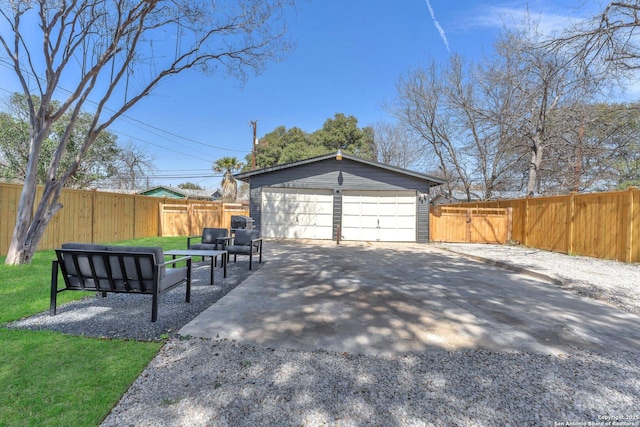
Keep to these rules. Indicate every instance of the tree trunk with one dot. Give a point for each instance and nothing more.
(30, 227)
(534, 168)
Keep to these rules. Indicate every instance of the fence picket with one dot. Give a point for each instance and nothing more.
(89, 216)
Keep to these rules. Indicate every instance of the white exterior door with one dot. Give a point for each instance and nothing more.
(293, 213)
(386, 216)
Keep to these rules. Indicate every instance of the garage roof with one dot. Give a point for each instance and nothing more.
(246, 176)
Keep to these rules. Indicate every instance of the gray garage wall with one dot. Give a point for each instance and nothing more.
(339, 176)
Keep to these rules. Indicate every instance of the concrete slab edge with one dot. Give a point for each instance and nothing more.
(536, 274)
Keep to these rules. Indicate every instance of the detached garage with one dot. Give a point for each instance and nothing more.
(338, 193)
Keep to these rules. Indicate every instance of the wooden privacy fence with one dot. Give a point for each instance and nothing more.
(601, 225)
(188, 219)
(470, 225)
(97, 217)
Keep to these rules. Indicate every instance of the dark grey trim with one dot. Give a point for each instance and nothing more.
(337, 213)
(246, 176)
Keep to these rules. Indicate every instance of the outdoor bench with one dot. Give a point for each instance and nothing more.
(118, 269)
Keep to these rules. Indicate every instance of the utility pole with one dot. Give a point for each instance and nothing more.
(254, 123)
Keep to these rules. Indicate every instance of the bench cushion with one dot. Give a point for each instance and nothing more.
(84, 263)
(146, 264)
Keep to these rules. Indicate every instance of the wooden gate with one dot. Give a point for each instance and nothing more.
(190, 218)
(470, 225)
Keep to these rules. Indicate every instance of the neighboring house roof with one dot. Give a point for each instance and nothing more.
(162, 191)
(246, 176)
(180, 193)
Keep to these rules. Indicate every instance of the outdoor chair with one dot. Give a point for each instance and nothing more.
(210, 239)
(245, 242)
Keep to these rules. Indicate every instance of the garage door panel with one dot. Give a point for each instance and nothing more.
(297, 213)
(387, 209)
(379, 215)
(350, 221)
(324, 220)
(406, 210)
(324, 208)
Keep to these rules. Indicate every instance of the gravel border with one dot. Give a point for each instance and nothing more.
(613, 282)
(203, 382)
(128, 316)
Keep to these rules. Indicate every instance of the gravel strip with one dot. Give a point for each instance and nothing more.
(202, 382)
(613, 282)
(129, 315)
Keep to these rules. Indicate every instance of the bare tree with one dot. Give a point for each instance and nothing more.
(609, 39)
(397, 146)
(422, 106)
(108, 53)
(544, 87)
(132, 168)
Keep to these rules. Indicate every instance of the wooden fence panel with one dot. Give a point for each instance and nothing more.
(147, 221)
(449, 227)
(489, 225)
(469, 225)
(633, 241)
(174, 220)
(603, 225)
(204, 215)
(96, 217)
(547, 223)
(600, 225)
(9, 199)
(114, 217)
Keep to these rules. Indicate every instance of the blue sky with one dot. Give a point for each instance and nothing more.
(348, 58)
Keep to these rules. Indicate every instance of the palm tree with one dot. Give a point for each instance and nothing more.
(229, 184)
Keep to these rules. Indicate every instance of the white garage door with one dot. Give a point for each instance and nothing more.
(292, 213)
(386, 216)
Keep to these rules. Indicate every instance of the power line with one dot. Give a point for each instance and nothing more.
(138, 123)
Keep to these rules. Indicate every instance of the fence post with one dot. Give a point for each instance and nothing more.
(93, 215)
(570, 224)
(526, 221)
(630, 228)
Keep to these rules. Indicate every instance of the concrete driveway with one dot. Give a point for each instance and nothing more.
(393, 298)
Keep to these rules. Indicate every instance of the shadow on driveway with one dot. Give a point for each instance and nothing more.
(399, 298)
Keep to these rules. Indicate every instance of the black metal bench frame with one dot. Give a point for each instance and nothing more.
(95, 282)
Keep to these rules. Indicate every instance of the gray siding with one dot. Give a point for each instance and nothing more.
(422, 221)
(337, 213)
(344, 174)
(255, 205)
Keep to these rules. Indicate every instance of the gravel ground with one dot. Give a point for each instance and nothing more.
(200, 382)
(613, 282)
(129, 315)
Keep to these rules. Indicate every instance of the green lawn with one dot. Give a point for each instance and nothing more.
(51, 379)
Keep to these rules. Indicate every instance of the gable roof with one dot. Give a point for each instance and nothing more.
(246, 176)
(178, 193)
(164, 191)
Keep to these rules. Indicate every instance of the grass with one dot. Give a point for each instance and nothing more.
(52, 379)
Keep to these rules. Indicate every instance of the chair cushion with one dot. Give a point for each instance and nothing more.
(173, 277)
(244, 237)
(206, 247)
(241, 249)
(209, 235)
